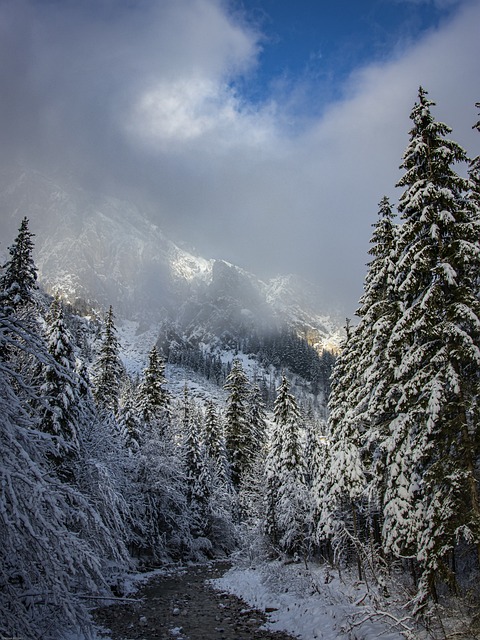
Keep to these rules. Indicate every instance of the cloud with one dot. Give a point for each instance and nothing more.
(142, 99)
(190, 108)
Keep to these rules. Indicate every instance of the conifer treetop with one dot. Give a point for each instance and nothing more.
(19, 279)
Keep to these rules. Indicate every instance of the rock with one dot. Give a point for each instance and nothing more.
(186, 597)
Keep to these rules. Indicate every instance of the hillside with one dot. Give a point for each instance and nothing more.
(98, 250)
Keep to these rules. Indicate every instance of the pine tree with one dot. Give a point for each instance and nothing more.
(343, 486)
(286, 491)
(431, 496)
(361, 400)
(108, 368)
(129, 420)
(153, 398)
(54, 544)
(60, 389)
(315, 467)
(475, 167)
(257, 418)
(19, 279)
(215, 442)
(239, 439)
(378, 313)
(474, 175)
(197, 476)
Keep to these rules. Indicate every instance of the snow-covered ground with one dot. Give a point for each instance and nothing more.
(135, 344)
(311, 603)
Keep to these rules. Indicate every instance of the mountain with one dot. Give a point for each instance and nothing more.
(98, 250)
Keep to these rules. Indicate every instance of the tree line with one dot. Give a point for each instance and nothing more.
(275, 348)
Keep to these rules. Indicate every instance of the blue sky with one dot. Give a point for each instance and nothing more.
(315, 45)
(262, 132)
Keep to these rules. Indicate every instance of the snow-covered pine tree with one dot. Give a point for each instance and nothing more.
(220, 495)
(108, 368)
(286, 509)
(153, 398)
(215, 442)
(378, 312)
(341, 490)
(257, 418)
(360, 403)
(196, 469)
(18, 286)
(315, 466)
(19, 278)
(251, 492)
(159, 495)
(239, 439)
(129, 420)
(474, 175)
(431, 497)
(54, 545)
(60, 388)
(373, 397)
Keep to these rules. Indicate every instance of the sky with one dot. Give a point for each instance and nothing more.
(262, 132)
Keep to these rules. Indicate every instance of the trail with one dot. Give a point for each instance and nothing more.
(183, 606)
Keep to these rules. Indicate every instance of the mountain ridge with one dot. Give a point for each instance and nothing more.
(102, 250)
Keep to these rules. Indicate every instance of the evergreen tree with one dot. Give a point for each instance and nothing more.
(161, 514)
(343, 485)
(474, 175)
(239, 440)
(214, 441)
(475, 168)
(315, 466)
(60, 389)
(19, 279)
(286, 490)
(54, 544)
(257, 418)
(196, 471)
(108, 368)
(361, 399)
(251, 495)
(153, 398)
(378, 313)
(129, 420)
(431, 497)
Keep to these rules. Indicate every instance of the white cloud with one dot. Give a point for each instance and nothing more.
(186, 109)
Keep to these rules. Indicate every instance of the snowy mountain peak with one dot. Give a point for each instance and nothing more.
(189, 267)
(102, 250)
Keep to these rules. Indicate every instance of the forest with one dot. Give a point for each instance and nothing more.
(102, 474)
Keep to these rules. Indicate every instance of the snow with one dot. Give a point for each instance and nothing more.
(136, 342)
(309, 603)
(187, 266)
